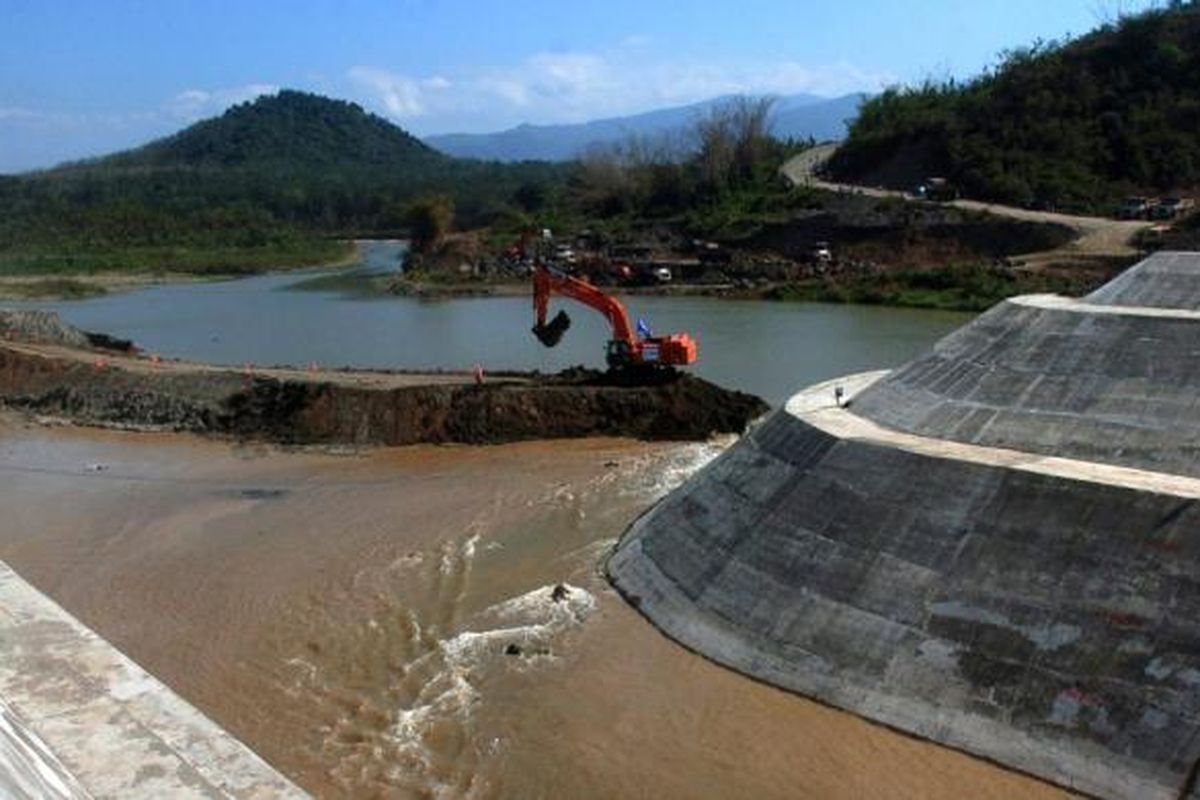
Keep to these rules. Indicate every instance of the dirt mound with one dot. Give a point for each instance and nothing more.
(39, 327)
(323, 411)
(46, 327)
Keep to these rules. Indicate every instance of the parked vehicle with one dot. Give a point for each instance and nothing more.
(940, 190)
(1171, 207)
(1135, 208)
(712, 253)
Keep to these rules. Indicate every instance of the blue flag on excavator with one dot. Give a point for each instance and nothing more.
(643, 329)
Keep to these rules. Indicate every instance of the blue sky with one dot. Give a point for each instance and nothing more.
(84, 77)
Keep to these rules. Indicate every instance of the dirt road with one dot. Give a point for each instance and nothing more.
(150, 364)
(1097, 236)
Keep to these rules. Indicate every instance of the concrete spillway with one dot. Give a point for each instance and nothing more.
(993, 547)
(79, 720)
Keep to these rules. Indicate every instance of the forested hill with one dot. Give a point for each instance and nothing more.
(294, 159)
(267, 182)
(291, 131)
(1073, 125)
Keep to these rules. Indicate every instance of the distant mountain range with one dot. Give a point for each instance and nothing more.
(799, 116)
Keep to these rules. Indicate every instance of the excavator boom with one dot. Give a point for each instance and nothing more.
(624, 348)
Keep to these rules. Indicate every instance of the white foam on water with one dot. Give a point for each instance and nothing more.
(577, 604)
(654, 477)
(530, 621)
(468, 548)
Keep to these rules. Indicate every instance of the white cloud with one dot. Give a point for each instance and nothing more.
(572, 86)
(31, 138)
(193, 104)
(511, 90)
(568, 74)
(400, 95)
(15, 113)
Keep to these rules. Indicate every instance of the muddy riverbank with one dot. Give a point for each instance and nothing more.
(50, 369)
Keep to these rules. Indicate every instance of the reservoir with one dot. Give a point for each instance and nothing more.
(767, 348)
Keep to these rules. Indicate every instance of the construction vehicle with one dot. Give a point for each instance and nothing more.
(625, 349)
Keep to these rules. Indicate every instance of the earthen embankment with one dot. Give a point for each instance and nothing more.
(54, 371)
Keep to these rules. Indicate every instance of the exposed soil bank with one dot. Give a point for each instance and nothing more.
(48, 368)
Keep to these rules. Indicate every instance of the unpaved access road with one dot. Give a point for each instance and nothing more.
(148, 364)
(1097, 236)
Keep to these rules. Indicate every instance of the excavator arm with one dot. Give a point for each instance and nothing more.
(548, 281)
(624, 348)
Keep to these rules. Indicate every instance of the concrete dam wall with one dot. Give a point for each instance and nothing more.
(1044, 375)
(993, 547)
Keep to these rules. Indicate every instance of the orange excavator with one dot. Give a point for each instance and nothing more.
(625, 349)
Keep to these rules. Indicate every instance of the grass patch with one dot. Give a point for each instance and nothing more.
(200, 260)
(958, 288)
(56, 288)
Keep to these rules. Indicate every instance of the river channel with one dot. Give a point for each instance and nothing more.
(769, 349)
(429, 621)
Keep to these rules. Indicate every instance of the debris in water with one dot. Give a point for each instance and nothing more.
(559, 593)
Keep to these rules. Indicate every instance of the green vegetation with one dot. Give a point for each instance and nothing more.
(58, 288)
(956, 288)
(1184, 235)
(285, 180)
(727, 175)
(1072, 125)
(134, 237)
(268, 184)
(429, 220)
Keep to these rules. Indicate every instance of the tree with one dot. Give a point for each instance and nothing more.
(429, 220)
(734, 143)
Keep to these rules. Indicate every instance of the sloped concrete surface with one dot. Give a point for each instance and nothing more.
(1165, 280)
(1026, 588)
(78, 719)
(1042, 622)
(1046, 377)
(29, 770)
(818, 407)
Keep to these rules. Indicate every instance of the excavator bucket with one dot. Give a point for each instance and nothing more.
(552, 332)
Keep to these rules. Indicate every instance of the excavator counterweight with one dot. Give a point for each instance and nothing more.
(624, 348)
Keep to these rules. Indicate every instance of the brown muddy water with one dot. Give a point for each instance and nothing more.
(382, 624)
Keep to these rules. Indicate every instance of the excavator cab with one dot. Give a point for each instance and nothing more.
(619, 354)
